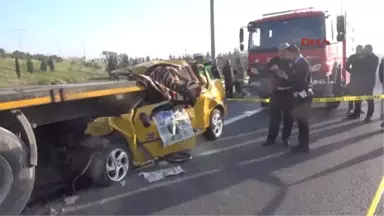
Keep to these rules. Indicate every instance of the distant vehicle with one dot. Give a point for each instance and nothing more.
(325, 47)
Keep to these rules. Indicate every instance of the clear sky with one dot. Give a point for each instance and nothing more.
(154, 27)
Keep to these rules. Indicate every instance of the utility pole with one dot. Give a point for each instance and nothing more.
(213, 52)
(19, 31)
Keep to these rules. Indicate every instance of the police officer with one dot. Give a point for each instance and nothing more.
(239, 77)
(302, 92)
(352, 60)
(228, 79)
(366, 81)
(381, 77)
(281, 98)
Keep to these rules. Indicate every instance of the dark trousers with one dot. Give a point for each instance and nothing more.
(239, 87)
(371, 105)
(228, 90)
(281, 103)
(301, 114)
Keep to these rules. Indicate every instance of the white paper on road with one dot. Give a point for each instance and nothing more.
(161, 174)
(173, 126)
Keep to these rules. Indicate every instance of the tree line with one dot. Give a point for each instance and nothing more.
(46, 62)
(115, 60)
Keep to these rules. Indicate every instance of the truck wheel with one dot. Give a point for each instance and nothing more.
(216, 125)
(111, 161)
(16, 177)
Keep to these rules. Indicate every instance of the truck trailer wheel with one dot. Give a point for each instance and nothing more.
(216, 125)
(111, 160)
(16, 177)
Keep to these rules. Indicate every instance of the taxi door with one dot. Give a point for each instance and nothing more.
(212, 94)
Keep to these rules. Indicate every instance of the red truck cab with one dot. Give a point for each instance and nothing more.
(327, 59)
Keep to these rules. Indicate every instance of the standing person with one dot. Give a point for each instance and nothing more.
(215, 71)
(353, 59)
(366, 82)
(381, 78)
(228, 77)
(356, 67)
(281, 98)
(239, 78)
(302, 92)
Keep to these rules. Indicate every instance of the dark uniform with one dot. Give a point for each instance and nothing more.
(281, 102)
(301, 84)
(381, 77)
(363, 75)
(228, 76)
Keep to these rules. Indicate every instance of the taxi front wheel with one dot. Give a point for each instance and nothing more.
(216, 125)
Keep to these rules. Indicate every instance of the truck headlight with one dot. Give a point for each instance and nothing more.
(316, 67)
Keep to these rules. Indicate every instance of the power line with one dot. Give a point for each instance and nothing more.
(19, 31)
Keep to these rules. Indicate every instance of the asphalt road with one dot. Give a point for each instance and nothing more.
(235, 175)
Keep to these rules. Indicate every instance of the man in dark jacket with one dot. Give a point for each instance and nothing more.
(302, 92)
(228, 79)
(281, 97)
(381, 77)
(353, 59)
(366, 81)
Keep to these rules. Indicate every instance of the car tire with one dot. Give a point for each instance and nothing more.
(111, 160)
(216, 125)
(264, 104)
(17, 178)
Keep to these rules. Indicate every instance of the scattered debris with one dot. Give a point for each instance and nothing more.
(162, 173)
(70, 200)
(52, 211)
(123, 183)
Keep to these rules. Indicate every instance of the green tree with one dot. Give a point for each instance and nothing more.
(50, 63)
(43, 65)
(124, 62)
(17, 67)
(112, 63)
(30, 66)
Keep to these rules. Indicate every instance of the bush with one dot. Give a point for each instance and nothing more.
(30, 68)
(43, 65)
(51, 65)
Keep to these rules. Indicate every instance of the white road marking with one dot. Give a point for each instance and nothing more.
(246, 114)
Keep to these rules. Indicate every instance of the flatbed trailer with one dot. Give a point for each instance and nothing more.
(35, 117)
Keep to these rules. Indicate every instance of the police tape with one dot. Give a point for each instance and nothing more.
(317, 100)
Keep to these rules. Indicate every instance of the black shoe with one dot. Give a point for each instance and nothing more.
(299, 149)
(268, 143)
(353, 116)
(382, 125)
(368, 119)
(285, 142)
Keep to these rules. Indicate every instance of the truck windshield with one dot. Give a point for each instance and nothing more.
(267, 36)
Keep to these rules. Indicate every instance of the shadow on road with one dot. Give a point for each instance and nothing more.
(166, 196)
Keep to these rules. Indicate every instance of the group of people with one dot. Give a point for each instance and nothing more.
(291, 96)
(292, 93)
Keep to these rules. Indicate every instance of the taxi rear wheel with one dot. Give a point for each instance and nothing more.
(216, 125)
